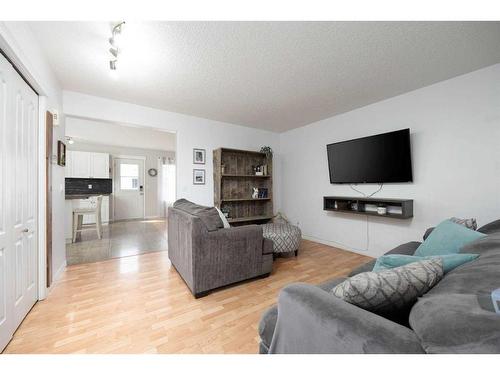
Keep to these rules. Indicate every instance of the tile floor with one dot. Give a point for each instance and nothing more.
(119, 239)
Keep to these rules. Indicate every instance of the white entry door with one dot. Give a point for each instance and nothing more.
(128, 188)
(18, 202)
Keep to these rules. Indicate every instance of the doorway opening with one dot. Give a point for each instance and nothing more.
(133, 169)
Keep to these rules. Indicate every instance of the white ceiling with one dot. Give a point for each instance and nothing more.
(269, 75)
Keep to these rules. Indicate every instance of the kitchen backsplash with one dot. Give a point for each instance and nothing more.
(78, 186)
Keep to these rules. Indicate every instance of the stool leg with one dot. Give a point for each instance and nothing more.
(296, 252)
(98, 224)
(75, 226)
(80, 226)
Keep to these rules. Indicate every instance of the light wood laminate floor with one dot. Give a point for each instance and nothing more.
(139, 304)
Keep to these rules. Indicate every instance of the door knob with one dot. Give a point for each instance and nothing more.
(25, 230)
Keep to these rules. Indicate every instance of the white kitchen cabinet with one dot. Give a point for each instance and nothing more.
(82, 164)
(99, 165)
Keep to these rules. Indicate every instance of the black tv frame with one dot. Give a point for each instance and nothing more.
(373, 182)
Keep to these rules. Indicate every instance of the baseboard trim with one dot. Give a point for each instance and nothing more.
(336, 244)
(56, 277)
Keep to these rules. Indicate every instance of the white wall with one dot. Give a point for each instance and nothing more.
(18, 42)
(455, 137)
(192, 132)
(119, 135)
(153, 206)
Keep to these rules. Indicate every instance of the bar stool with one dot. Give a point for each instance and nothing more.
(78, 218)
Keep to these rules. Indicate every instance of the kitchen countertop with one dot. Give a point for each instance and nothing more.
(83, 196)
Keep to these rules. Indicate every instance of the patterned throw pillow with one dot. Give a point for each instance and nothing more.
(390, 290)
(468, 223)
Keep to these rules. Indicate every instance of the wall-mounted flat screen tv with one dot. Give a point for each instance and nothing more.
(376, 159)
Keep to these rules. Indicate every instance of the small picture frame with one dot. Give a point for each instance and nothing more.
(199, 156)
(198, 177)
(61, 154)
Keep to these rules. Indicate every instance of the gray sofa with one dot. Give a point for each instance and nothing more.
(456, 316)
(208, 256)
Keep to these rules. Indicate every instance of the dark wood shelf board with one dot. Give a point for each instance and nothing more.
(370, 213)
(249, 218)
(343, 204)
(370, 200)
(224, 149)
(245, 176)
(245, 199)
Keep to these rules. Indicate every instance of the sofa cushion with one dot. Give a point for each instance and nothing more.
(450, 261)
(447, 238)
(208, 215)
(268, 321)
(490, 228)
(390, 290)
(267, 246)
(457, 315)
(406, 249)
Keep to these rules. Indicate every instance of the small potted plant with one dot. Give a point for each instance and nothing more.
(267, 150)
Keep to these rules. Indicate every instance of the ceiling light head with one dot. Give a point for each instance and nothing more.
(114, 51)
(116, 38)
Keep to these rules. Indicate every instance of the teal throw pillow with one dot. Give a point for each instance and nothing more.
(447, 238)
(450, 261)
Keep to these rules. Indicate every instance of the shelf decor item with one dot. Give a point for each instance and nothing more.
(255, 193)
(243, 188)
(267, 150)
(199, 156)
(381, 209)
(198, 177)
(61, 154)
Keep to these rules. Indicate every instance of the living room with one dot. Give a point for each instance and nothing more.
(334, 186)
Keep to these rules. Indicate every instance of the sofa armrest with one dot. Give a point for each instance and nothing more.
(227, 255)
(311, 320)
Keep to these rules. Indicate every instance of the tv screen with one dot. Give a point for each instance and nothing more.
(377, 159)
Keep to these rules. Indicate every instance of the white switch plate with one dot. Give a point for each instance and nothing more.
(55, 117)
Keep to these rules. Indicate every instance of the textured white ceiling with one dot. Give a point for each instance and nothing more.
(269, 75)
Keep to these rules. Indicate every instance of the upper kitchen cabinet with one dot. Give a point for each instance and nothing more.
(82, 164)
(99, 165)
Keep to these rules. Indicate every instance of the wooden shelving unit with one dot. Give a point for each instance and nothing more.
(233, 189)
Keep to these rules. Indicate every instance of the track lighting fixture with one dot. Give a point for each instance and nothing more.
(115, 42)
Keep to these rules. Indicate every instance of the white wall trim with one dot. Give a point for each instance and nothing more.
(336, 245)
(56, 276)
(42, 208)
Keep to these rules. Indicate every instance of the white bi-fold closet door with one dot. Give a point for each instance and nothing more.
(18, 200)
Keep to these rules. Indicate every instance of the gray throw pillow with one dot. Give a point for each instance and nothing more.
(390, 290)
(468, 223)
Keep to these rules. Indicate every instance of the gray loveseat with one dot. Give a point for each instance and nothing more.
(456, 316)
(208, 256)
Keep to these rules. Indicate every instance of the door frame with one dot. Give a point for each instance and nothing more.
(134, 157)
(14, 54)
